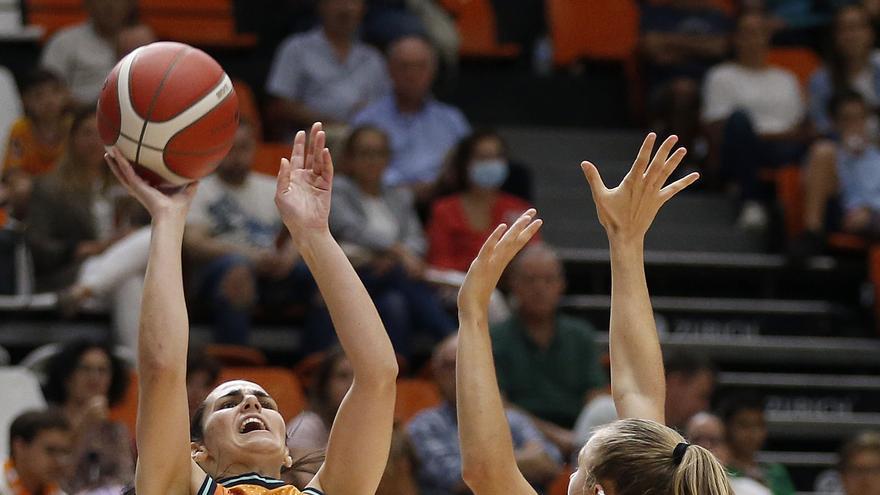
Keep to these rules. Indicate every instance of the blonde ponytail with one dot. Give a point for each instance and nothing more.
(700, 473)
(642, 457)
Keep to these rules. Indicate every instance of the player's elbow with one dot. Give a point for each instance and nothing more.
(483, 476)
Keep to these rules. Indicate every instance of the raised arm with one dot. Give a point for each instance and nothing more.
(164, 465)
(361, 434)
(627, 211)
(488, 461)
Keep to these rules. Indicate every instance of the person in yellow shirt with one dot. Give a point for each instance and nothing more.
(36, 141)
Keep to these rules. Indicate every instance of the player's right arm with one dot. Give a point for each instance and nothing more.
(164, 463)
(626, 212)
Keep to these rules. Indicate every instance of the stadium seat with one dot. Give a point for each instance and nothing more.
(559, 486)
(236, 355)
(413, 396)
(281, 383)
(475, 20)
(597, 29)
(27, 396)
(801, 61)
(268, 157)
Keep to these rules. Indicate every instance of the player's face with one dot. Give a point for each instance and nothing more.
(91, 377)
(242, 425)
(581, 481)
(862, 474)
(46, 458)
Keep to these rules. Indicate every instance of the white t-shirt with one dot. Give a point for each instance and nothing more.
(82, 58)
(380, 220)
(245, 214)
(770, 96)
(748, 486)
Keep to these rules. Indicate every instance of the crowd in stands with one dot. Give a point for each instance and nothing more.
(418, 192)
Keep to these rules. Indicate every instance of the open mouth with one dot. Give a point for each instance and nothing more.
(252, 424)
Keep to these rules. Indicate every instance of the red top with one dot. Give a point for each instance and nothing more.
(453, 242)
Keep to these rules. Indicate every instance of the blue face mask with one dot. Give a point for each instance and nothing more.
(489, 174)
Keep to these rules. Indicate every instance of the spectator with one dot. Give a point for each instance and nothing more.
(35, 141)
(39, 446)
(460, 223)
(707, 431)
(757, 112)
(690, 381)
(422, 130)
(848, 169)
(202, 373)
(850, 66)
(434, 434)
(84, 381)
(326, 74)
(860, 465)
(84, 240)
(85, 53)
(681, 40)
(132, 37)
(379, 227)
(547, 363)
(746, 432)
(308, 433)
(235, 237)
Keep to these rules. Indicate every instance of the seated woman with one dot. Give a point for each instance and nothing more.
(84, 380)
(307, 434)
(461, 222)
(235, 443)
(82, 236)
(379, 229)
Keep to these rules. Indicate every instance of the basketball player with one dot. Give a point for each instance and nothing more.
(238, 436)
(636, 455)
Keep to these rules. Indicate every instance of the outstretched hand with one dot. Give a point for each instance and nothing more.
(304, 184)
(160, 204)
(628, 210)
(496, 253)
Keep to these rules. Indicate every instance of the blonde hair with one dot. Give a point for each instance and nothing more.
(637, 456)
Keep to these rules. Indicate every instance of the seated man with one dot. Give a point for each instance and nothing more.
(547, 363)
(434, 437)
(859, 464)
(40, 451)
(690, 381)
(848, 169)
(234, 235)
(422, 130)
(326, 74)
(681, 40)
(85, 53)
(756, 113)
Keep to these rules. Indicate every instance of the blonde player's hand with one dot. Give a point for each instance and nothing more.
(496, 253)
(304, 185)
(628, 210)
(161, 204)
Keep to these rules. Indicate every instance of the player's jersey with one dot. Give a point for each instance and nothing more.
(251, 484)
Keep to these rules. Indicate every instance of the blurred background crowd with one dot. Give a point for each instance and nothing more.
(445, 118)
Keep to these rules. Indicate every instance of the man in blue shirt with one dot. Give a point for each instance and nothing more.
(434, 437)
(326, 74)
(848, 169)
(422, 129)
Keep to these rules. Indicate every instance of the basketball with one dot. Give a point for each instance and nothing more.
(171, 110)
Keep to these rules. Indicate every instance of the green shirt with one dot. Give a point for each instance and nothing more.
(776, 478)
(552, 384)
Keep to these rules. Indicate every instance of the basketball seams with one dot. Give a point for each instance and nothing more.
(165, 131)
(155, 99)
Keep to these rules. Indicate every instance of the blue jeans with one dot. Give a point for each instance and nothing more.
(232, 324)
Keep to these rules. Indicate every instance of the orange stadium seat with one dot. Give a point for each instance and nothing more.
(236, 355)
(268, 157)
(801, 61)
(475, 20)
(413, 396)
(597, 29)
(281, 383)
